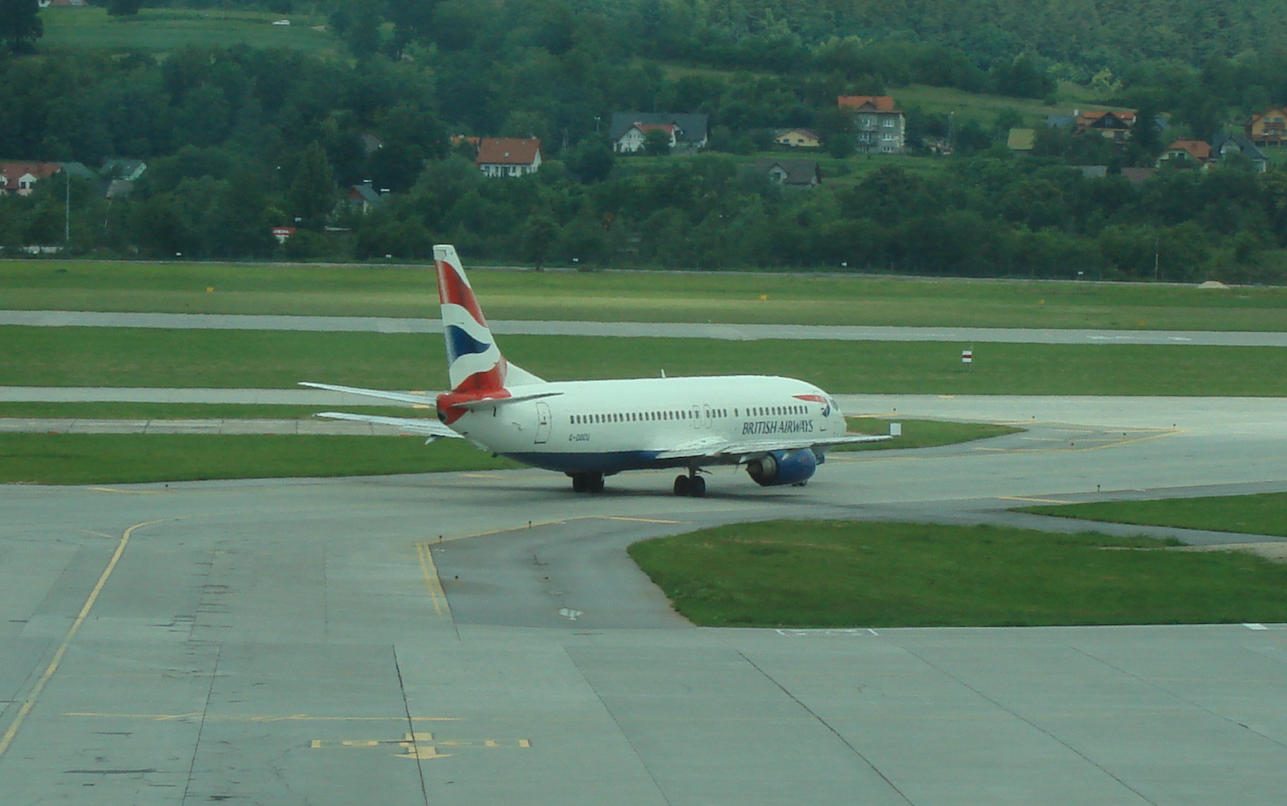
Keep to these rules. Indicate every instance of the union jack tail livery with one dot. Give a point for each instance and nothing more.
(779, 429)
(474, 362)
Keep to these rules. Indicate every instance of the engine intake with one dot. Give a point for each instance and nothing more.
(782, 467)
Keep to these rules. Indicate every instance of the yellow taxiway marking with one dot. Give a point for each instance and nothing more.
(267, 717)
(1028, 500)
(30, 702)
(430, 571)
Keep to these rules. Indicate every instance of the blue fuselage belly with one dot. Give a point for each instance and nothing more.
(607, 463)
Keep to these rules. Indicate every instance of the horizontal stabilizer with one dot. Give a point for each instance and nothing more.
(401, 397)
(419, 427)
(501, 401)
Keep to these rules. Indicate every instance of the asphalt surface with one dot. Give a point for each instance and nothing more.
(482, 638)
(734, 332)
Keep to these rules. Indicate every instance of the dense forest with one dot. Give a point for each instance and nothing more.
(238, 140)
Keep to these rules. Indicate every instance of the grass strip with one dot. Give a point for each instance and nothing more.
(858, 574)
(921, 433)
(1262, 514)
(128, 458)
(111, 410)
(750, 298)
(36, 356)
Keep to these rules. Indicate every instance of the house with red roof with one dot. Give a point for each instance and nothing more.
(508, 156)
(21, 177)
(880, 124)
(688, 133)
(1191, 153)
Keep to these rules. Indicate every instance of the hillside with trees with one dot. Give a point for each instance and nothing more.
(238, 139)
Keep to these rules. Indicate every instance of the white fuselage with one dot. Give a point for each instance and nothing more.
(610, 426)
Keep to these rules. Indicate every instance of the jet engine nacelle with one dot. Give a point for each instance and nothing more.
(782, 467)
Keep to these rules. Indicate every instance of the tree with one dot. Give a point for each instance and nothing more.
(312, 195)
(124, 8)
(656, 143)
(20, 25)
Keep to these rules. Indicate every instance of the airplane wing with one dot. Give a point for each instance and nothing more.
(421, 427)
(720, 450)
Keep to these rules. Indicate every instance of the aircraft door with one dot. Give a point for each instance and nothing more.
(697, 418)
(708, 417)
(542, 422)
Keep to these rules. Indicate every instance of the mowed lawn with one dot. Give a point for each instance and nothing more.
(130, 458)
(865, 574)
(163, 29)
(76, 356)
(750, 298)
(1263, 514)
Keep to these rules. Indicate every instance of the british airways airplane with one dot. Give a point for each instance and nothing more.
(779, 428)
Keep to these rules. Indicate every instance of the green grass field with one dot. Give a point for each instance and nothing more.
(919, 433)
(127, 458)
(855, 574)
(1264, 514)
(163, 29)
(408, 291)
(35, 356)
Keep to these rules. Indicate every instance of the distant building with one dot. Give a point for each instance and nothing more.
(796, 138)
(1193, 153)
(627, 130)
(363, 198)
(880, 124)
(1268, 128)
(282, 234)
(793, 173)
(1227, 145)
(20, 178)
(508, 156)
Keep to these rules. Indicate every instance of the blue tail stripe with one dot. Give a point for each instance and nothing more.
(461, 343)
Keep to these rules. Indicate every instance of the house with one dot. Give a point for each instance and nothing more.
(1111, 125)
(21, 177)
(1269, 128)
(1137, 176)
(1189, 153)
(125, 169)
(796, 138)
(362, 198)
(1022, 140)
(282, 234)
(1226, 145)
(881, 125)
(63, 3)
(627, 130)
(508, 156)
(789, 173)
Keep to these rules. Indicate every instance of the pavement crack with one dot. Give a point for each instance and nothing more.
(201, 727)
(411, 723)
(828, 726)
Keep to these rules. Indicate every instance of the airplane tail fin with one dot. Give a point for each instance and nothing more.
(474, 362)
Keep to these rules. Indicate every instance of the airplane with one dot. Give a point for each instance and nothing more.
(778, 428)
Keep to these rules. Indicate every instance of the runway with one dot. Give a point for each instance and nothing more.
(733, 332)
(483, 638)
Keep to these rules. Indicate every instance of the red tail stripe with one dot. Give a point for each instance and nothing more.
(452, 289)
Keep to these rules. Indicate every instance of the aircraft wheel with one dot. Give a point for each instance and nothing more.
(697, 486)
(594, 482)
(578, 482)
(683, 485)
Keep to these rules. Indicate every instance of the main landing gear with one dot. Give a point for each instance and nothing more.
(587, 482)
(692, 484)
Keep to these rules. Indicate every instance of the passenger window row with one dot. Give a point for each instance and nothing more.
(691, 414)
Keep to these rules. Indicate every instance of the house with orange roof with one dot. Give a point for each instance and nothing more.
(1186, 153)
(880, 125)
(508, 156)
(688, 133)
(1268, 128)
(20, 178)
